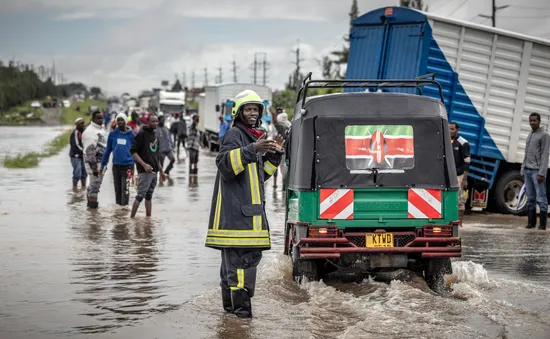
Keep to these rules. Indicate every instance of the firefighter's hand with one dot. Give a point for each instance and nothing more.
(148, 168)
(540, 179)
(280, 142)
(263, 145)
(95, 173)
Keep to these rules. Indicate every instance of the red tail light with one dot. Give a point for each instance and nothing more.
(438, 231)
(323, 232)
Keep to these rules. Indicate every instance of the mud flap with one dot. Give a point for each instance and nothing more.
(303, 267)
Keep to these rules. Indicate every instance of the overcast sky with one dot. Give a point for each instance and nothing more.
(131, 45)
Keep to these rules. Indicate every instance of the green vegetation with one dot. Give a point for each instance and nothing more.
(69, 114)
(32, 159)
(18, 115)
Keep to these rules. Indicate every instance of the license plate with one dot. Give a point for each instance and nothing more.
(375, 240)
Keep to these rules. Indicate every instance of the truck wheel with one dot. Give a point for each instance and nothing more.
(303, 268)
(506, 194)
(435, 271)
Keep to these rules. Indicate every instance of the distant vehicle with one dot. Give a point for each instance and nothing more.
(168, 103)
(66, 103)
(36, 104)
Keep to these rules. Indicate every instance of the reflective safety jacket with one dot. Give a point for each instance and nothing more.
(237, 217)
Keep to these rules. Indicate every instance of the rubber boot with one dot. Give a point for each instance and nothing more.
(531, 217)
(543, 218)
(226, 300)
(242, 306)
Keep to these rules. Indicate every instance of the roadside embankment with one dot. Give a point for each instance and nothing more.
(80, 110)
(32, 159)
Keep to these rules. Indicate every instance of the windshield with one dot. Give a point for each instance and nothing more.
(169, 109)
(227, 109)
(387, 148)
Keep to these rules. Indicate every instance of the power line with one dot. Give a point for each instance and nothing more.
(525, 17)
(205, 82)
(532, 7)
(459, 7)
(184, 80)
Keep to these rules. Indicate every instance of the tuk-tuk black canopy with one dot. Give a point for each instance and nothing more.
(320, 158)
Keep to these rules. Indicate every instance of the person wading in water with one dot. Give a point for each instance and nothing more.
(238, 224)
(119, 142)
(77, 155)
(146, 155)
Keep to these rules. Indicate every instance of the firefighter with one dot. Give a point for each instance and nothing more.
(238, 225)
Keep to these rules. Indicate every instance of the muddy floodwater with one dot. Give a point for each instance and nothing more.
(66, 272)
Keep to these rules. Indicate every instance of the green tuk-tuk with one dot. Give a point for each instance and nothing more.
(372, 185)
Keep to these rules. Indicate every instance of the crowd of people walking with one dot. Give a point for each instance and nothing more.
(251, 152)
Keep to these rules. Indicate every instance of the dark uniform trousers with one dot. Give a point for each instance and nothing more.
(238, 279)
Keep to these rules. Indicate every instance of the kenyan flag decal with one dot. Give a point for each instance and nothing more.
(384, 147)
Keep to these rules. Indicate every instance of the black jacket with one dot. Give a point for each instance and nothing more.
(461, 153)
(76, 150)
(147, 147)
(237, 216)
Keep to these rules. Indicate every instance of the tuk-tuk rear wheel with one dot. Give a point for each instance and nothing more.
(435, 271)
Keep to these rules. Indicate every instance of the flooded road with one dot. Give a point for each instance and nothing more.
(67, 272)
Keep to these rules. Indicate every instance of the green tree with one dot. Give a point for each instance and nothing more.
(177, 86)
(95, 91)
(340, 57)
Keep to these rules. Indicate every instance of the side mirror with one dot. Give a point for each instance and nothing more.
(217, 108)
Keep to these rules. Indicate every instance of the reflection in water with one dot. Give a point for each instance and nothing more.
(231, 327)
(117, 269)
(519, 252)
(532, 264)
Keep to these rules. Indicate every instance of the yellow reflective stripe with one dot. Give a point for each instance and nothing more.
(237, 233)
(238, 242)
(218, 207)
(255, 191)
(269, 168)
(240, 278)
(236, 161)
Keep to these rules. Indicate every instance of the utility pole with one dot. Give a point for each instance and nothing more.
(254, 66)
(265, 66)
(184, 80)
(494, 10)
(297, 63)
(193, 79)
(234, 70)
(206, 76)
(220, 75)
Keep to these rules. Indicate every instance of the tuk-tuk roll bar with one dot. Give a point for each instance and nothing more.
(417, 83)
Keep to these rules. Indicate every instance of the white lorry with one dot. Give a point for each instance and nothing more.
(492, 80)
(168, 102)
(212, 105)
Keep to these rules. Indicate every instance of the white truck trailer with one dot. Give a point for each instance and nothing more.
(168, 102)
(492, 80)
(213, 104)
